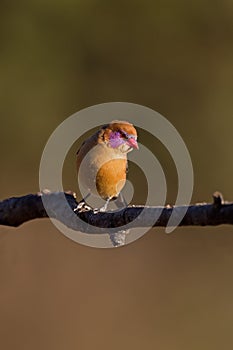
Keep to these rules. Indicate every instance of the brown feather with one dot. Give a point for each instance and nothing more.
(117, 125)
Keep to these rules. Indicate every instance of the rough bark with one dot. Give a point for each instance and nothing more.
(17, 210)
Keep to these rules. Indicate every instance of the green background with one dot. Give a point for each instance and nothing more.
(163, 291)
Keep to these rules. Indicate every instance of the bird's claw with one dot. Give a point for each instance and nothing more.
(82, 206)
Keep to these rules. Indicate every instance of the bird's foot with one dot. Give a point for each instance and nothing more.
(102, 209)
(99, 210)
(82, 206)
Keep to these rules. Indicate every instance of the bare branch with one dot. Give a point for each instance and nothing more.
(17, 210)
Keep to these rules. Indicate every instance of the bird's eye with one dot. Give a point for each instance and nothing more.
(124, 135)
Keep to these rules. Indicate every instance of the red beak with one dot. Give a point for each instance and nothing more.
(133, 143)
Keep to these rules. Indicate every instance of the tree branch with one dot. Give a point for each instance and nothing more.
(17, 210)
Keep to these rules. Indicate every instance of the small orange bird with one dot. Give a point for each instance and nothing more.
(102, 160)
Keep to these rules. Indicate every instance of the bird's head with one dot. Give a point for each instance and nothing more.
(120, 135)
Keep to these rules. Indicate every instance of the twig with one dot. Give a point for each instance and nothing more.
(17, 210)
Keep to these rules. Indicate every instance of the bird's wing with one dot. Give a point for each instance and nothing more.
(87, 145)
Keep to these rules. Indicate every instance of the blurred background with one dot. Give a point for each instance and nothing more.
(162, 291)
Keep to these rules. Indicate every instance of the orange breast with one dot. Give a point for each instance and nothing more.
(111, 178)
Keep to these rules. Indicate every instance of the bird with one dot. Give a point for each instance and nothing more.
(102, 160)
